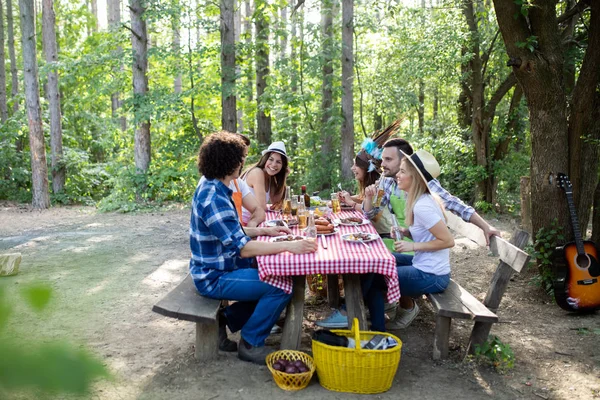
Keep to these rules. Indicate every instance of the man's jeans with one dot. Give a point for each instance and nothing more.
(258, 304)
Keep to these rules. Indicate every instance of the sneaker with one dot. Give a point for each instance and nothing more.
(403, 318)
(255, 354)
(275, 329)
(335, 320)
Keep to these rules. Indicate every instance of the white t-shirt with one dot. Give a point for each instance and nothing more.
(244, 188)
(427, 213)
(245, 213)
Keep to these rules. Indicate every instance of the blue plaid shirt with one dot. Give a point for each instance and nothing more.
(451, 203)
(216, 236)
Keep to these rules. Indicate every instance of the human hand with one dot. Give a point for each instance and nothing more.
(370, 191)
(404, 246)
(276, 231)
(303, 246)
(345, 197)
(490, 231)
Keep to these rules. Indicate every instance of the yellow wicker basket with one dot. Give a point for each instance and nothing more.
(291, 381)
(356, 370)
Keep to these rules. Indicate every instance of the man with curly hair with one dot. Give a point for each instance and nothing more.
(222, 263)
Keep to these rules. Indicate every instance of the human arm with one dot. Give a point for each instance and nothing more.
(256, 180)
(267, 231)
(488, 230)
(255, 248)
(350, 200)
(370, 210)
(250, 203)
(443, 240)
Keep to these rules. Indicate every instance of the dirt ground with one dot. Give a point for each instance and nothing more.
(107, 270)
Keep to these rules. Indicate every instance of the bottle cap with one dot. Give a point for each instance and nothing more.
(303, 187)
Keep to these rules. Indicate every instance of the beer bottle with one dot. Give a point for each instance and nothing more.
(287, 204)
(306, 197)
(311, 229)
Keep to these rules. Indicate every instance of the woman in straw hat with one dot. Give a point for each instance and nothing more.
(424, 216)
(267, 178)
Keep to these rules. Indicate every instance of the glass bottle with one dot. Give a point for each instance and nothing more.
(302, 213)
(311, 229)
(380, 193)
(396, 231)
(306, 197)
(287, 204)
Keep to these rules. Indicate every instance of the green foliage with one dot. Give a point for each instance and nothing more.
(47, 368)
(546, 240)
(497, 354)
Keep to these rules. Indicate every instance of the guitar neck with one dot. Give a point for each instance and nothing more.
(575, 223)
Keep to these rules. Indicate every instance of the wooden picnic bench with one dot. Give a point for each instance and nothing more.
(457, 302)
(185, 303)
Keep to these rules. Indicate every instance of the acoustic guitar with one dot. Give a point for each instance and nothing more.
(577, 286)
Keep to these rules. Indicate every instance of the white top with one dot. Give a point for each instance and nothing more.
(246, 215)
(244, 188)
(427, 213)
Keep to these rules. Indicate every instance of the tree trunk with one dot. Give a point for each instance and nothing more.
(249, 70)
(53, 95)
(39, 169)
(237, 30)
(114, 21)
(228, 99)
(176, 48)
(13, 59)
(347, 151)
(94, 6)
(421, 106)
(327, 132)
(139, 43)
(3, 99)
(263, 114)
(283, 24)
(540, 74)
(295, 20)
(191, 76)
(436, 100)
(596, 216)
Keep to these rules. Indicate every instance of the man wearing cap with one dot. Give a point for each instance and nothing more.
(394, 199)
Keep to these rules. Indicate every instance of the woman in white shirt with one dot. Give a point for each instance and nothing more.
(430, 269)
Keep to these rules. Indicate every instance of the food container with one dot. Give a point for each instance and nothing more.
(356, 370)
(291, 381)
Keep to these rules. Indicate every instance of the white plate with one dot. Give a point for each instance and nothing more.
(278, 238)
(275, 222)
(349, 237)
(363, 222)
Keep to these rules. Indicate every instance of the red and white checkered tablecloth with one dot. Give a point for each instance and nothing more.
(340, 257)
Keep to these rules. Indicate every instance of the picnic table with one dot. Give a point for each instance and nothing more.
(288, 272)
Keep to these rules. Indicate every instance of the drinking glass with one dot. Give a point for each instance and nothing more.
(294, 205)
(335, 203)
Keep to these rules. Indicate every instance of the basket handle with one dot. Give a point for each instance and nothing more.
(356, 331)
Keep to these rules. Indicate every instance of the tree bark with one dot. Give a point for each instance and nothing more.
(249, 73)
(347, 151)
(421, 106)
(283, 24)
(263, 114)
(327, 51)
(295, 20)
(139, 44)
(540, 74)
(39, 169)
(228, 99)
(114, 21)
(176, 48)
(237, 30)
(596, 216)
(94, 6)
(53, 95)
(3, 98)
(11, 53)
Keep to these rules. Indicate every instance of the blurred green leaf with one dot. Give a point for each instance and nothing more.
(37, 295)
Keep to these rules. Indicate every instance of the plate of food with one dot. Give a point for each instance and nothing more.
(353, 221)
(360, 237)
(275, 222)
(346, 207)
(287, 238)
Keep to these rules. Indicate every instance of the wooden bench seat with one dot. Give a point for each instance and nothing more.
(457, 302)
(185, 303)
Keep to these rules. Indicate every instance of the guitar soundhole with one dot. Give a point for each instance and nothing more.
(583, 261)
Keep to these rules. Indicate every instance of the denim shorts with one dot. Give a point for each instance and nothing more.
(414, 282)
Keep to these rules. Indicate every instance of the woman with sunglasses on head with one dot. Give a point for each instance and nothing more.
(267, 178)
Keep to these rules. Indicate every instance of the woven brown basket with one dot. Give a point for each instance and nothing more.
(291, 381)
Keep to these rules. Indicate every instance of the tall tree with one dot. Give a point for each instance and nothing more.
(228, 97)
(94, 9)
(263, 114)
(39, 169)
(237, 31)
(3, 105)
(560, 125)
(327, 50)
(53, 95)
(139, 44)
(483, 110)
(347, 88)
(114, 22)
(176, 48)
(11, 53)
(249, 73)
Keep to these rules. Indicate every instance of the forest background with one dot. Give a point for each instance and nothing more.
(495, 90)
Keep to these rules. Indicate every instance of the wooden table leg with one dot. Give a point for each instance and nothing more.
(333, 291)
(292, 330)
(354, 301)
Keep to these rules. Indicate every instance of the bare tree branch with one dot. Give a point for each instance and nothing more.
(576, 9)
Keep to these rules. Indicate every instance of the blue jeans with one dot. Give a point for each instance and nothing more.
(403, 259)
(258, 304)
(414, 282)
(373, 287)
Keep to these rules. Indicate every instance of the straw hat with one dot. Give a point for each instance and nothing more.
(425, 163)
(276, 147)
